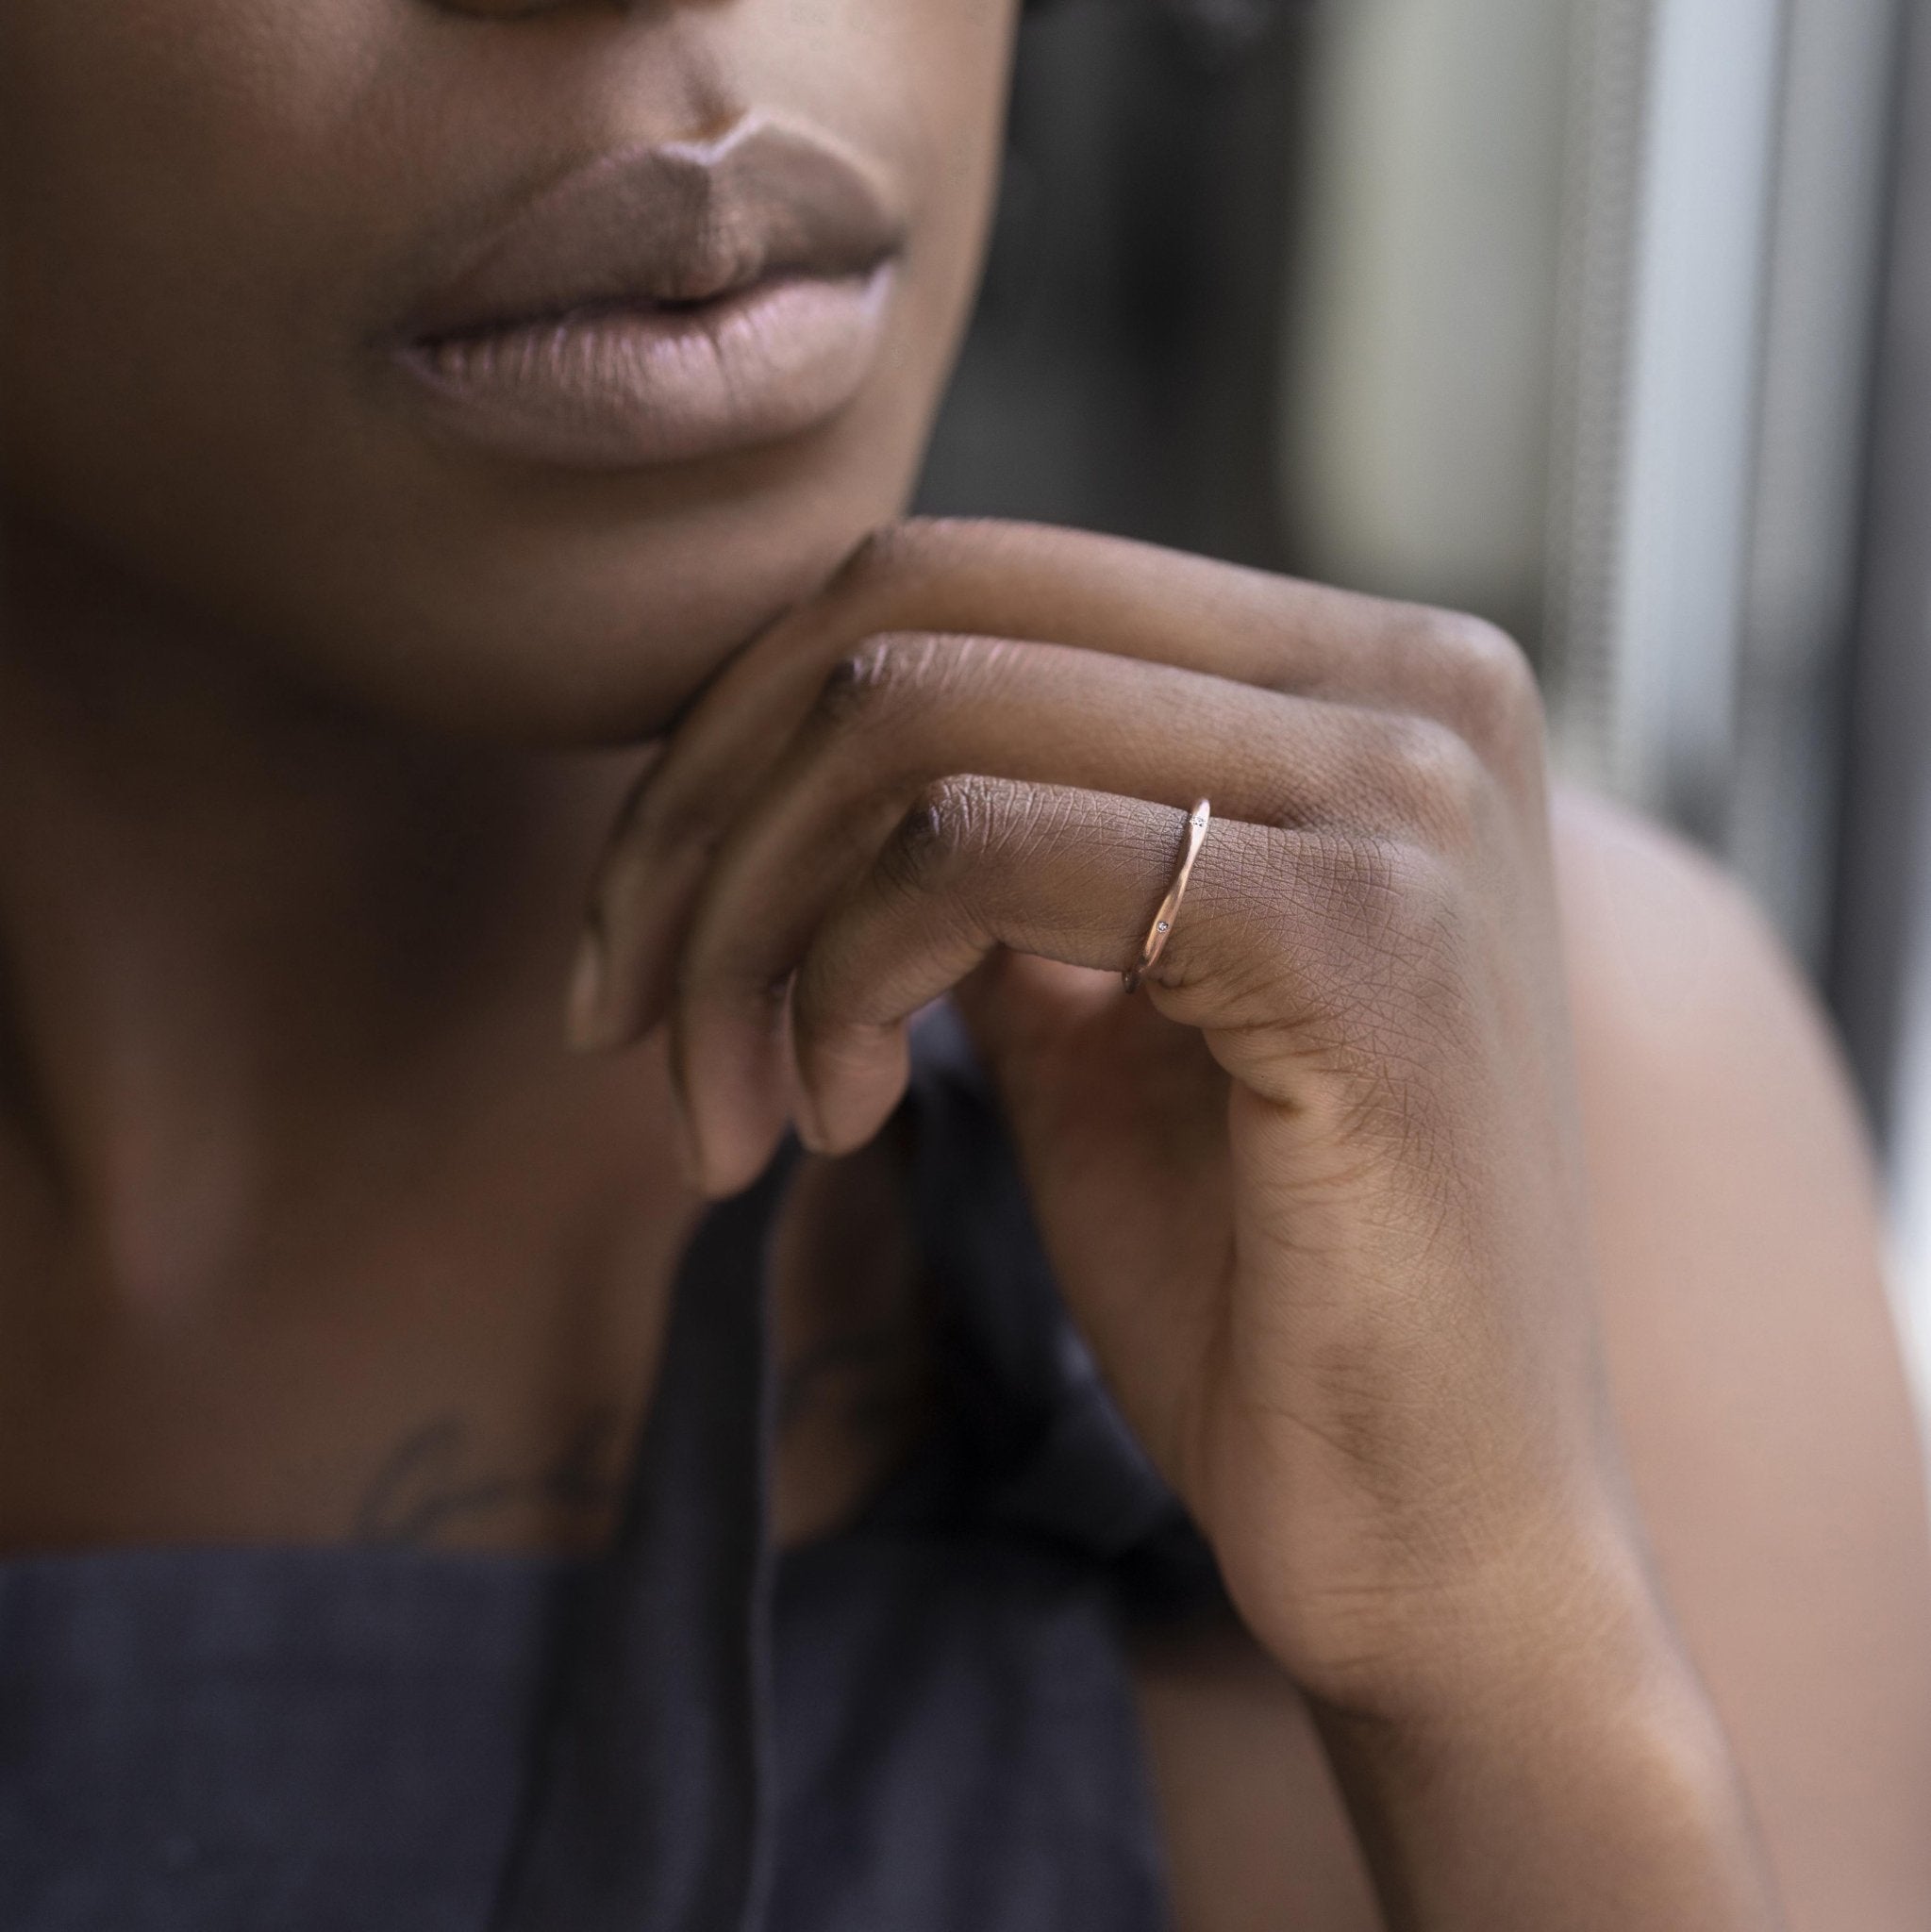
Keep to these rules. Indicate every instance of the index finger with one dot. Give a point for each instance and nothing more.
(1026, 582)
(1044, 585)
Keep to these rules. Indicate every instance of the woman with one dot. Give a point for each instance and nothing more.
(412, 409)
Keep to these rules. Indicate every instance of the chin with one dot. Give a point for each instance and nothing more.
(388, 577)
(572, 661)
(590, 622)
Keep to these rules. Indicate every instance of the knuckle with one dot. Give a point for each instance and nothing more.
(1481, 679)
(1395, 907)
(898, 680)
(1443, 783)
(907, 548)
(880, 677)
(949, 825)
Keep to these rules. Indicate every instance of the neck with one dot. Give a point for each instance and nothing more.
(253, 949)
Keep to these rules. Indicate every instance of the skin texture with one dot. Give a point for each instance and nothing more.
(176, 331)
(288, 895)
(1319, 1201)
(1468, 1214)
(1750, 1357)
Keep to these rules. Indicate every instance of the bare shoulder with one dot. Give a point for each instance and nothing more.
(1754, 1360)
(1755, 1372)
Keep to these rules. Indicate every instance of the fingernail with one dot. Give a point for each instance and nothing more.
(585, 1023)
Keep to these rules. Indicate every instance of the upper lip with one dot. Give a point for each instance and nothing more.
(681, 222)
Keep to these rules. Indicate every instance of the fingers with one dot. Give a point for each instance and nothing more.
(983, 864)
(1280, 930)
(1093, 593)
(776, 824)
(976, 864)
(912, 710)
(1107, 594)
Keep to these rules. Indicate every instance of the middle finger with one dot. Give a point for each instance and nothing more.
(914, 709)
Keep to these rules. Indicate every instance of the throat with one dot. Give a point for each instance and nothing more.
(477, 1379)
(440, 1348)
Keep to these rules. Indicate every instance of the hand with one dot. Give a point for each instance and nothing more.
(1315, 1197)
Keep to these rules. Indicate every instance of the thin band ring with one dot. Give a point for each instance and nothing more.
(1162, 927)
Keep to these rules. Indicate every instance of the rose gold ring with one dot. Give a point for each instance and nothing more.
(1162, 928)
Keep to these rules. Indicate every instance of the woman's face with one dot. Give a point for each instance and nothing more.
(497, 364)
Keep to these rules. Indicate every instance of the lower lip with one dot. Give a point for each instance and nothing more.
(630, 388)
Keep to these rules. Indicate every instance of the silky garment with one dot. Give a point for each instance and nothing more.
(920, 1725)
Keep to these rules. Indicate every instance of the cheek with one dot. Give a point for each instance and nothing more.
(208, 208)
(175, 180)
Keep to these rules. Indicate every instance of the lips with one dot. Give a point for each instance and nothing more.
(663, 305)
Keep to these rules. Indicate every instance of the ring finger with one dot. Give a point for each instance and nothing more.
(920, 708)
(981, 864)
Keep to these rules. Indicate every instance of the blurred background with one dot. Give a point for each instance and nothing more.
(1607, 319)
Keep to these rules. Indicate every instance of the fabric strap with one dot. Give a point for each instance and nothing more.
(650, 1809)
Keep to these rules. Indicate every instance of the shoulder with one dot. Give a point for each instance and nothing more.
(1753, 1365)
(1737, 1227)
(1753, 1358)
(1731, 1168)
(1661, 941)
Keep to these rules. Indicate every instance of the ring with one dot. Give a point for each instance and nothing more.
(1162, 927)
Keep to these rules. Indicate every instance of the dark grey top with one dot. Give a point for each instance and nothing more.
(920, 1725)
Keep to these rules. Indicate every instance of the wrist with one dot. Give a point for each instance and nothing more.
(1566, 1610)
(1607, 1681)
(1577, 1803)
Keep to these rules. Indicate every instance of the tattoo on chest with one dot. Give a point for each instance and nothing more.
(436, 1483)
(868, 1384)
